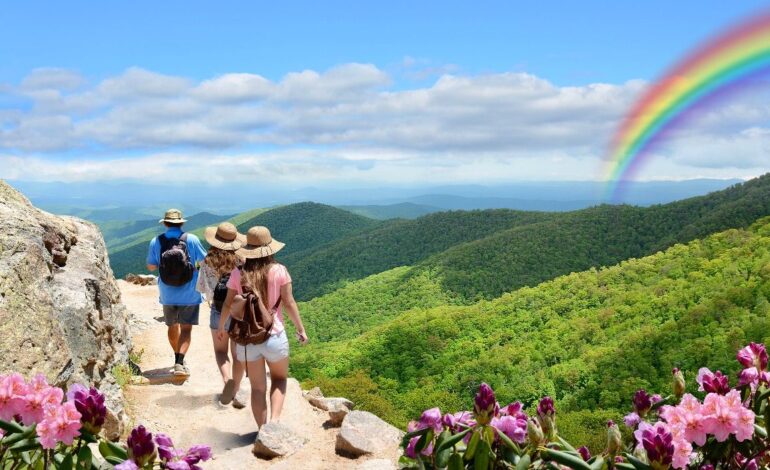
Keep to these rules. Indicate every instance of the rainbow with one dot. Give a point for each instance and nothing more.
(721, 64)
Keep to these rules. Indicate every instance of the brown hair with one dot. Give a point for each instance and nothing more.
(255, 275)
(221, 261)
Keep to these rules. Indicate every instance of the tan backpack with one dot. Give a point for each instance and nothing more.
(251, 321)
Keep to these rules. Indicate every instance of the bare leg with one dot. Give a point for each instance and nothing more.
(278, 372)
(185, 335)
(173, 337)
(258, 389)
(238, 368)
(221, 355)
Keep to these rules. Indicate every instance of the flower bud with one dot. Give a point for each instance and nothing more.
(585, 454)
(90, 404)
(642, 403)
(614, 438)
(641, 454)
(141, 448)
(485, 406)
(546, 414)
(535, 433)
(678, 384)
(753, 355)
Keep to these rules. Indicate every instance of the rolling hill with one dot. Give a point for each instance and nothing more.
(481, 254)
(589, 339)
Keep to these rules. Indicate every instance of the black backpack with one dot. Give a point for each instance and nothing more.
(176, 269)
(220, 292)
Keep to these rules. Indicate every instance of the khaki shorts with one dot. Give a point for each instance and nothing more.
(182, 314)
(274, 349)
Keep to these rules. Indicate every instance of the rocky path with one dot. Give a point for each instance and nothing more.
(190, 412)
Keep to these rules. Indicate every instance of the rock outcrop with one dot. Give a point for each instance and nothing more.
(276, 440)
(60, 310)
(142, 279)
(363, 433)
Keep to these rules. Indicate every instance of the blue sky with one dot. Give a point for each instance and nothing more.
(79, 80)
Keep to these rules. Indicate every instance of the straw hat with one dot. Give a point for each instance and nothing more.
(173, 216)
(225, 237)
(259, 244)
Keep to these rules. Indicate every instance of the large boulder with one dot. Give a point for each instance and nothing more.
(276, 440)
(60, 310)
(363, 433)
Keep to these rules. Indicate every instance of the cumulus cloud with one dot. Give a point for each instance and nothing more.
(349, 121)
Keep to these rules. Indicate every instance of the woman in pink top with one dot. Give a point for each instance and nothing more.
(272, 282)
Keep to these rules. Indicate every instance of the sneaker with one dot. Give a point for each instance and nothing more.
(180, 370)
(228, 393)
(239, 401)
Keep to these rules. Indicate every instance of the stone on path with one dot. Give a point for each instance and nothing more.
(276, 440)
(363, 433)
(328, 404)
(377, 464)
(337, 413)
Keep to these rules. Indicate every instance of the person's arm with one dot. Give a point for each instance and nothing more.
(151, 267)
(290, 306)
(152, 257)
(225, 312)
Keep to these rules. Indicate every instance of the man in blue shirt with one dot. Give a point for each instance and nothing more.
(181, 304)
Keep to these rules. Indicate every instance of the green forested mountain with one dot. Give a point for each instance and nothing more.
(403, 210)
(482, 254)
(396, 243)
(302, 226)
(589, 339)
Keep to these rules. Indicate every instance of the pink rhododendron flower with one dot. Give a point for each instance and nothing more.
(512, 409)
(127, 465)
(712, 382)
(13, 389)
(60, 423)
(35, 401)
(515, 428)
(411, 450)
(431, 419)
(632, 420)
(753, 355)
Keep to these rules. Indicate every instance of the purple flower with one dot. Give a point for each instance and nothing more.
(712, 382)
(707, 466)
(411, 448)
(449, 421)
(656, 398)
(514, 428)
(642, 403)
(90, 405)
(512, 409)
(632, 420)
(141, 449)
(166, 450)
(485, 406)
(127, 465)
(753, 355)
(73, 389)
(432, 419)
(658, 442)
(545, 407)
(196, 454)
(584, 453)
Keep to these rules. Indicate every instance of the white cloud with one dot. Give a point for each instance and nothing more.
(350, 122)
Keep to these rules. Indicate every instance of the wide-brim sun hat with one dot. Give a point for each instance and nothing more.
(224, 236)
(259, 244)
(173, 216)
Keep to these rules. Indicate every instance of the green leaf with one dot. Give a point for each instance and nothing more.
(625, 466)
(451, 441)
(565, 458)
(425, 439)
(442, 457)
(760, 430)
(472, 444)
(408, 436)
(456, 462)
(88, 437)
(509, 443)
(598, 463)
(10, 427)
(66, 463)
(107, 448)
(16, 437)
(481, 459)
(26, 444)
(567, 446)
(523, 463)
(85, 458)
(113, 460)
(638, 464)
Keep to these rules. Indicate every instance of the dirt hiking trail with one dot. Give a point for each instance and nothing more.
(190, 413)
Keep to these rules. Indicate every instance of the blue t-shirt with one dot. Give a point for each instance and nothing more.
(186, 294)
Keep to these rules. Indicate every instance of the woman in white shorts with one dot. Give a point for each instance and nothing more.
(273, 282)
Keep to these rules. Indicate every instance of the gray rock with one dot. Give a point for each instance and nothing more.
(276, 440)
(60, 310)
(363, 433)
(337, 413)
(314, 392)
(327, 404)
(142, 279)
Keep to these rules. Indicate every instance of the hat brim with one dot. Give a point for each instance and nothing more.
(253, 251)
(172, 221)
(210, 234)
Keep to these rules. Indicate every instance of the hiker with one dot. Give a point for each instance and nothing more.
(213, 274)
(271, 283)
(177, 254)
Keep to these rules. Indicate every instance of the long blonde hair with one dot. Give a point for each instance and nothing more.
(255, 272)
(221, 261)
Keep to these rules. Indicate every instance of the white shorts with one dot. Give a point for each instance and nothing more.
(273, 350)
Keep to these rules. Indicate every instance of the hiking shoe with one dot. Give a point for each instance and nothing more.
(228, 393)
(181, 370)
(239, 401)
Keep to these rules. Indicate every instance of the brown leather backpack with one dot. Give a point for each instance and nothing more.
(251, 322)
